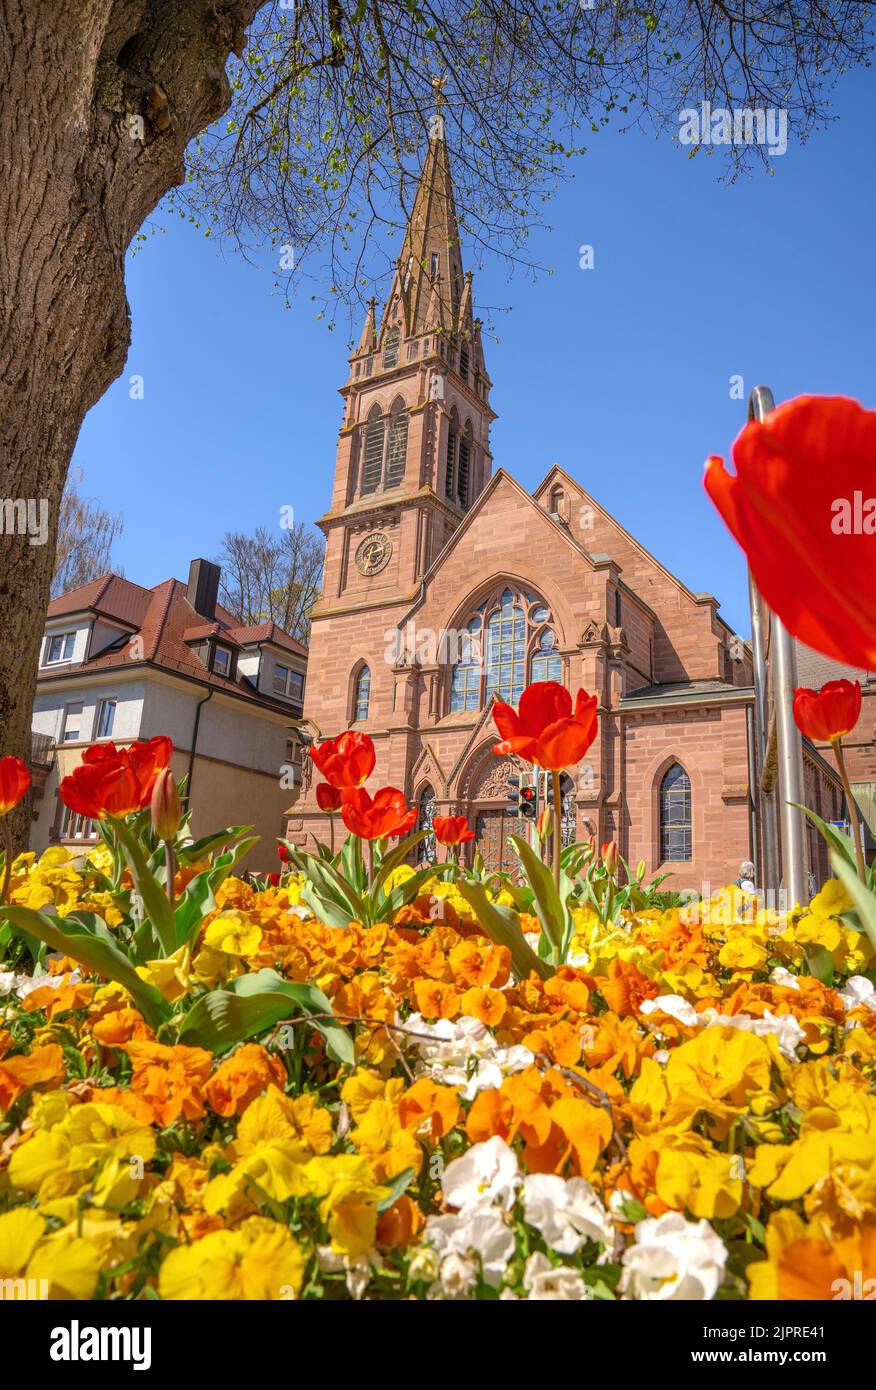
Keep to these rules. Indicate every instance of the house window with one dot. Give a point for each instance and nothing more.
(222, 662)
(363, 694)
(289, 683)
(398, 449)
(506, 643)
(675, 815)
(372, 464)
(391, 348)
(72, 723)
(106, 718)
(60, 647)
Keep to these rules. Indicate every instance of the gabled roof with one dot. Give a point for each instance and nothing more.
(166, 624)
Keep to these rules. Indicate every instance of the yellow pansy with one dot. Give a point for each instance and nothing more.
(389, 1147)
(695, 1176)
(364, 1086)
(259, 1261)
(234, 933)
(170, 976)
(20, 1232)
(742, 954)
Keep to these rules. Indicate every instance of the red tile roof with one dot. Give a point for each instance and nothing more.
(166, 623)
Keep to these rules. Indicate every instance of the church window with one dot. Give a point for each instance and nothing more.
(363, 694)
(463, 470)
(391, 348)
(507, 644)
(463, 362)
(547, 664)
(372, 464)
(398, 449)
(675, 815)
(465, 682)
(426, 808)
(433, 267)
(506, 649)
(450, 461)
(617, 608)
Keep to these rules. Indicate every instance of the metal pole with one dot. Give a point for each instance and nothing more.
(783, 659)
(764, 801)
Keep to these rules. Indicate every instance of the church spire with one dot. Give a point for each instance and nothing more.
(430, 262)
(368, 341)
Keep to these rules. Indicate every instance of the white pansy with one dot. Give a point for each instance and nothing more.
(784, 1027)
(858, 992)
(480, 1231)
(463, 1052)
(458, 1276)
(26, 984)
(673, 1005)
(673, 1259)
(357, 1272)
(424, 1263)
(781, 976)
(7, 981)
(545, 1282)
(485, 1174)
(567, 1213)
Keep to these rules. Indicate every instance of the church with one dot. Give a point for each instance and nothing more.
(424, 620)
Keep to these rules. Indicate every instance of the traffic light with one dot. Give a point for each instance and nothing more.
(529, 802)
(548, 788)
(513, 796)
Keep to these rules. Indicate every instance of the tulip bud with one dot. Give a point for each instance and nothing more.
(609, 855)
(165, 807)
(545, 823)
(640, 870)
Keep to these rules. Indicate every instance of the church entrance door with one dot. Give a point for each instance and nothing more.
(493, 828)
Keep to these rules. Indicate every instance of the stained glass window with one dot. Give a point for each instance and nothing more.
(547, 664)
(363, 694)
(675, 815)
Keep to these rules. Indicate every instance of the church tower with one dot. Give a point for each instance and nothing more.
(413, 455)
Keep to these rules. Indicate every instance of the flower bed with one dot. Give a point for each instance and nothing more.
(682, 1111)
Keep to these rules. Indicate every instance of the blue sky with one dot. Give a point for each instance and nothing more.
(621, 373)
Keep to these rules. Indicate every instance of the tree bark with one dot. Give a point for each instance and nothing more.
(98, 100)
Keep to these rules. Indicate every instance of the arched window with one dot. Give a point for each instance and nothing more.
(363, 694)
(372, 460)
(450, 459)
(675, 815)
(463, 361)
(546, 664)
(426, 807)
(397, 453)
(506, 645)
(390, 348)
(463, 470)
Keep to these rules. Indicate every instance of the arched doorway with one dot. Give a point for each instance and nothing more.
(483, 789)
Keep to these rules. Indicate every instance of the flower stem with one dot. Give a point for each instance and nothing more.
(7, 868)
(170, 866)
(853, 810)
(558, 830)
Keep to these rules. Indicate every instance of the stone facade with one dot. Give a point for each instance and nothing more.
(429, 549)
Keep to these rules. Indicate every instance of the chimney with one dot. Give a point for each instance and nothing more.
(203, 589)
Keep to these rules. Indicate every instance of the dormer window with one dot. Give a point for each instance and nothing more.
(59, 647)
(288, 683)
(222, 662)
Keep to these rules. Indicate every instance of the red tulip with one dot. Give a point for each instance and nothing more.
(346, 761)
(328, 798)
(546, 731)
(452, 830)
(828, 713)
(14, 782)
(609, 854)
(283, 854)
(114, 782)
(164, 805)
(387, 814)
(273, 879)
(798, 507)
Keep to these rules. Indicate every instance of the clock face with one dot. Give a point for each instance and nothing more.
(373, 554)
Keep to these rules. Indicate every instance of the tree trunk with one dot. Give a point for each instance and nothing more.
(98, 100)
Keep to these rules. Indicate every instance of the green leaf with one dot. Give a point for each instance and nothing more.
(209, 845)
(837, 841)
(253, 1004)
(332, 913)
(820, 963)
(549, 905)
(394, 858)
(502, 925)
(402, 1181)
(155, 902)
(86, 938)
(864, 900)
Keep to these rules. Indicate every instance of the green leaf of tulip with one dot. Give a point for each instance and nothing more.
(255, 1002)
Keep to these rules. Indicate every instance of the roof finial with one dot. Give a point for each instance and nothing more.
(436, 122)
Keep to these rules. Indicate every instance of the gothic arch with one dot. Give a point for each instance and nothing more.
(356, 671)
(653, 781)
(467, 599)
